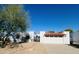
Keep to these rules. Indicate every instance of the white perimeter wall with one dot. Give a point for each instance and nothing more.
(55, 40)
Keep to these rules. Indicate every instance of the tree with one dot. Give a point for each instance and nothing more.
(13, 18)
(70, 30)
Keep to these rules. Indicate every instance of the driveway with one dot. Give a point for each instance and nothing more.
(39, 48)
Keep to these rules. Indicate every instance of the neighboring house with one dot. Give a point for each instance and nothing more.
(75, 38)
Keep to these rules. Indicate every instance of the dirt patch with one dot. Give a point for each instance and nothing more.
(25, 48)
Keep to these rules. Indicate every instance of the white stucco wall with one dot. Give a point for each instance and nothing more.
(55, 40)
(67, 37)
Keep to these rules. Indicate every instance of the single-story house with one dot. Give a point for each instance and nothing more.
(52, 37)
(55, 37)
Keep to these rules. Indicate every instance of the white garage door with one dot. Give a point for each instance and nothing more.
(52, 40)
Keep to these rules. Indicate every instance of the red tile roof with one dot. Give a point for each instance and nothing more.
(53, 34)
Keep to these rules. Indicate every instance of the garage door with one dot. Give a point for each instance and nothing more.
(52, 40)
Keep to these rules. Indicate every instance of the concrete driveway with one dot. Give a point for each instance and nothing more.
(61, 49)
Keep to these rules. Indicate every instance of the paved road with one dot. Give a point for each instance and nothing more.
(38, 48)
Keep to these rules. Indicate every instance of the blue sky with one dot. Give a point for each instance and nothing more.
(55, 17)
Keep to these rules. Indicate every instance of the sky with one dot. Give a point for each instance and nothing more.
(53, 17)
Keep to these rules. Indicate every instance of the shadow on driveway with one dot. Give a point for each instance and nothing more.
(74, 45)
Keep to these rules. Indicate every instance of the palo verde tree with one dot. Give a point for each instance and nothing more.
(13, 18)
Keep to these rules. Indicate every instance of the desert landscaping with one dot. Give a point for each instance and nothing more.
(54, 32)
(39, 48)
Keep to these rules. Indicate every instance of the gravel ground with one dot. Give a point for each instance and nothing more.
(39, 48)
